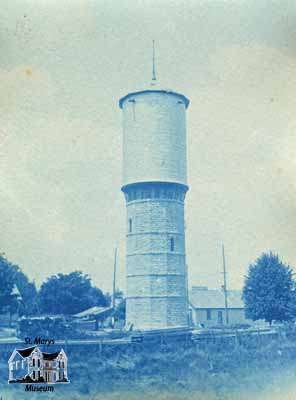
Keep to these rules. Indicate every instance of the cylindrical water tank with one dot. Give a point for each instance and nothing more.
(154, 137)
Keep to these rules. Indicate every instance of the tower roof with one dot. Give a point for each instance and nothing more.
(154, 90)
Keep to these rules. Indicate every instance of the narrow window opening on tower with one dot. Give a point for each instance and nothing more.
(130, 225)
(172, 244)
(209, 315)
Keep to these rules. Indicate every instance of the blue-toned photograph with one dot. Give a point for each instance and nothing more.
(147, 191)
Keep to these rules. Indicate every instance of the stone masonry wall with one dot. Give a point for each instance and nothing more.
(156, 273)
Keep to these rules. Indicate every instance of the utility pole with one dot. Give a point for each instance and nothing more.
(225, 286)
(114, 278)
(187, 297)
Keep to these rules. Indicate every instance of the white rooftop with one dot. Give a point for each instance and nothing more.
(93, 311)
(202, 297)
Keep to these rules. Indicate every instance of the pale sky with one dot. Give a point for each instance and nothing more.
(63, 66)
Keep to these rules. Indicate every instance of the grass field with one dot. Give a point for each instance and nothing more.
(254, 370)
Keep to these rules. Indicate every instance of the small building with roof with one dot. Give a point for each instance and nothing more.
(208, 307)
(8, 315)
(31, 365)
(93, 318)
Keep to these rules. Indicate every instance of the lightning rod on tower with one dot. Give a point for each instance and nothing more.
(153, 64)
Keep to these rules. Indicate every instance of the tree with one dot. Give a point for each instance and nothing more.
(69, 294)
(7, 281)
(12, 277)
(269, 290)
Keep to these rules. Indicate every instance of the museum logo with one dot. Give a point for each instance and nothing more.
(31, 366)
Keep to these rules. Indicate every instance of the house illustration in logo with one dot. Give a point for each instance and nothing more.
(31, 365)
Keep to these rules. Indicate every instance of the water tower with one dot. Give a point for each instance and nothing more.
(155, 185)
